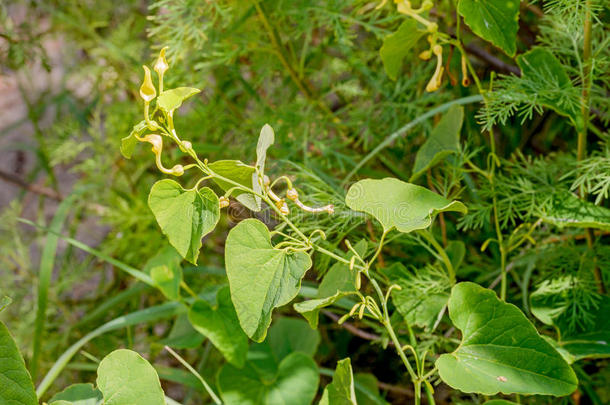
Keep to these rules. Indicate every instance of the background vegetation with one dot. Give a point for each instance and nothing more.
(70, 71)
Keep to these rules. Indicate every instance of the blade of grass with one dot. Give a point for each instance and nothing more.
(145, 278)
(196, 374)
(47, 262)
(112, 302)
(147, 315)
(406, 128)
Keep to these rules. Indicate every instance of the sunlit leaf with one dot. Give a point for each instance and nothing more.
(261, 278)
(172, 99)
(124, 377)
(185, 216)
(398, 45)
(399, 205)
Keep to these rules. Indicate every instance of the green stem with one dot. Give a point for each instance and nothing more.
(586, 83)
(582, 135)
(196, 374)
(441, 251)
(280, 52)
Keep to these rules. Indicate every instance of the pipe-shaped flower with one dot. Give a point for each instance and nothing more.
(147, 89)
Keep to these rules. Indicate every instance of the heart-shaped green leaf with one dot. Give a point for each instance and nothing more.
(240, 173)
(496, 21)
(443, 141)
(341, 390)
(501, 351)
(295, 383)
(398, 45)
(79, 394)
(124, 377)
(16, 385)
(185, 216)
(261, 278)
(221, 326)
(172, 99)
(289, 335)
(399, 205)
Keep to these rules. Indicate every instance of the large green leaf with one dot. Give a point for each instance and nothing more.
(295, 382)
(185, 216)
(496, 21)
(289, 335)
(221, 326)
(125, 377)
(341, 390)
(443, 141)
(398, 45)
(567, 210)
(261, 278)
(338, 283)
(399, 205)
(172, 99)
(240, 173)
(16, 385)
(501, 351)
(79, 394)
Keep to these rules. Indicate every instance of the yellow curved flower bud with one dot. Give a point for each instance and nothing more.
(147, 89)
(436, 80)
(160, 67)
(465, 78)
